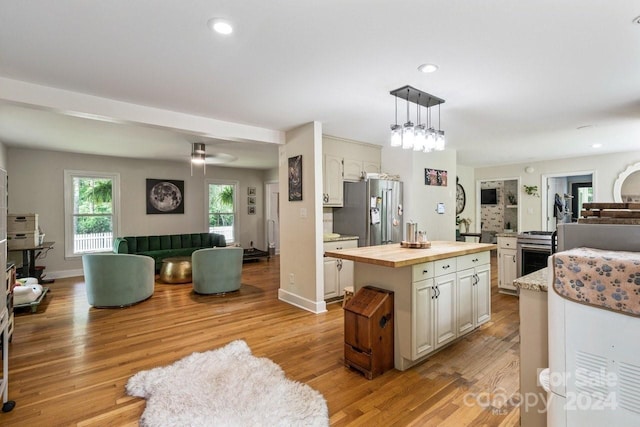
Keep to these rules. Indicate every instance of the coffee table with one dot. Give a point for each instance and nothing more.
(176, 270)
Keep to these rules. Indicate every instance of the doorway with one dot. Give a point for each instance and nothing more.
(497, 209)
(272, 217)
(563, 196)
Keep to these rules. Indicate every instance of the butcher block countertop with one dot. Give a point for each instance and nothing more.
(395, 256)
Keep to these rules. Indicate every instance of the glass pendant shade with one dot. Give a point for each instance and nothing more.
(420, 138)
(440, 140)
(430, 142)
(396, 135)
(408, 136)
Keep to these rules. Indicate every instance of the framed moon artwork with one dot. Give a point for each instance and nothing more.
(165, 196)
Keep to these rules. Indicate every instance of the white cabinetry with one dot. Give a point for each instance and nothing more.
(473, 291)
(507, 264)
(433, 322)
(338, 273)
(345, 160)
(354, 169)
(332, 181)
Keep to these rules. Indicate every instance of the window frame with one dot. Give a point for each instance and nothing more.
(69, 176)
(236, 213)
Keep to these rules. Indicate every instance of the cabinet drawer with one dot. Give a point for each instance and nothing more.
(340, 244)
(357, 357)
(444, 266)
(507, 242)
(473, 260)
(423, 271)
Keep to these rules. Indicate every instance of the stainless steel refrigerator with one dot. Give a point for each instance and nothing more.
(372, 211)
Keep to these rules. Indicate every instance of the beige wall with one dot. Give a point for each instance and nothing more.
(420, 200)
(466, 179)
(606, 168)
(36, 186)
(301, 273)
(3, 156)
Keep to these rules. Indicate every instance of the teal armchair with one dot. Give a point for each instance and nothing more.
(216, 270)
(118, 280)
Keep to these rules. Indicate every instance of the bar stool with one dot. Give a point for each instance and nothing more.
(348, 293)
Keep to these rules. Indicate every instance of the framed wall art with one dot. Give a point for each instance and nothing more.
(165, 196)
(251, 210)
(435, 177)
(251, 200)
(295, 178)
(251, 191)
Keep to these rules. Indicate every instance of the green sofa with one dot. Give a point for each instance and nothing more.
(160, 247)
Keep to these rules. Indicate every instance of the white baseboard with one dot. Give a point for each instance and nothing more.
(301, 302)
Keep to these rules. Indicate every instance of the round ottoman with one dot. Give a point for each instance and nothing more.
(176, 270)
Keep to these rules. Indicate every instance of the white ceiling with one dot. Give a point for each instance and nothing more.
(519, 78)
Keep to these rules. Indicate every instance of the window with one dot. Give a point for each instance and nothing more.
(91, 211)
(222, 210)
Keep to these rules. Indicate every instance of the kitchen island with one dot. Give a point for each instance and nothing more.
(440, 293)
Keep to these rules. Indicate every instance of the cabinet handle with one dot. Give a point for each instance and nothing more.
(425, 271)
(438, 294)
(444, 267)
(338, 248)
(433, 292)
(475, 260)
(514, 259)
(339, 265)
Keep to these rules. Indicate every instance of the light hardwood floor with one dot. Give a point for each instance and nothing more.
(69, 362)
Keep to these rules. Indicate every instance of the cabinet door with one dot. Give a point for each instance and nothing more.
(465, 299)
(371, 167)
(332, 181)
(330, 277)
(507, 268)
(422, 303)
(483, 294)
(445, 309)
(345, 275)
(352, 169)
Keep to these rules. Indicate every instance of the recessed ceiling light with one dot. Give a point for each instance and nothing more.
(220, 26)
(596, 145)
(428, 68)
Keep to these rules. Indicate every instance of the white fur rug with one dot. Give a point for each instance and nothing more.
(226, 387)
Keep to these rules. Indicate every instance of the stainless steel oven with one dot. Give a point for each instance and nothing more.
(534, 247)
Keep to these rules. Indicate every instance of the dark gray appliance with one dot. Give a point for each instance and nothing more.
(615, 237)
(534, 248)
(372, 210)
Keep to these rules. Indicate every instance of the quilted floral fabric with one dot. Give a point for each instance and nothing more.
(606, 279)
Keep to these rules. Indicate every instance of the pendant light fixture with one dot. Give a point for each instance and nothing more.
(408, 132)
(198, 156)
(418, 137)
(396, 131)
(420, 133)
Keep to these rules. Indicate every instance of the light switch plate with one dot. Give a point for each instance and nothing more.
(440, 208)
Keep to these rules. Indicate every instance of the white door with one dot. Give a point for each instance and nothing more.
(466, 316)
(272, 225)
(483, 293)
(445, 309)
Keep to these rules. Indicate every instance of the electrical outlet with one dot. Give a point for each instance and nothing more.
(291, 278)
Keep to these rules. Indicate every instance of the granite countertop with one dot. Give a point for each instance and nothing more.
(339, 238)
(395, 256)
(507, 234)
(536, 281)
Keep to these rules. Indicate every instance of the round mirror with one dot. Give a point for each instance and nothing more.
(627, 187)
